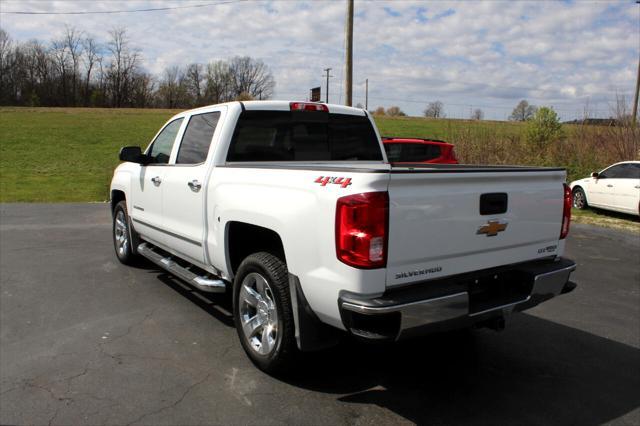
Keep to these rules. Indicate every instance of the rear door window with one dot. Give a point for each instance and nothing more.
(197, 138)
(630, 171)
(303, 136)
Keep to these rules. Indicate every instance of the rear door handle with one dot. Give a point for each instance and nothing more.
(609, 186)
(637, 187)
(156, 180)
(195, 185)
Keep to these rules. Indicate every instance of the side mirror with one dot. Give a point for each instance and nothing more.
(595, 175)
(133, 154)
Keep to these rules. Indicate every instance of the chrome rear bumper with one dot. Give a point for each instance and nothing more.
(399, 314)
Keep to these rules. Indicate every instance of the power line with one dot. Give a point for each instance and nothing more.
(154, 9)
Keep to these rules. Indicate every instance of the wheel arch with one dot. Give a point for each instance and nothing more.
(243, 239)
(117, 195)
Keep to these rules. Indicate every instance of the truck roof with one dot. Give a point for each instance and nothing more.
(282, 106)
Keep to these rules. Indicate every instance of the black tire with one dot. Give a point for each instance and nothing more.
(254, 317)
(125, 238)
(579, 199)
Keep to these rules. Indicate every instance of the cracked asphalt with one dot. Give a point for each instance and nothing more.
(87, 341)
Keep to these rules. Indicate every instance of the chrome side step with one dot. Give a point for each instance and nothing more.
(203, 283)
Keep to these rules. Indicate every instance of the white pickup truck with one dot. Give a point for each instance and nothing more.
(293, 207)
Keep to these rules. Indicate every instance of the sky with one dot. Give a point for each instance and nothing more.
(570, 55)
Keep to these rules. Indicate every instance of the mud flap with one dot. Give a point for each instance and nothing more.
(311, 333)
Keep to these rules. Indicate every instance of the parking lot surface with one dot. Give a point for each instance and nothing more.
(85, 340)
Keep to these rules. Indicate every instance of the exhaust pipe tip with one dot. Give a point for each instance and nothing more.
(495, 324)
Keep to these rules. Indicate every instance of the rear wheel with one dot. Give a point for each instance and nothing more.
(262, 311)
(579, 199)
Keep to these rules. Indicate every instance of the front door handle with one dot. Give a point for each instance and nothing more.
(156, 180)
(637, 187)
(195, 185)
(609, 186)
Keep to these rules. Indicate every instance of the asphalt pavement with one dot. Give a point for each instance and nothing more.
(86, 340)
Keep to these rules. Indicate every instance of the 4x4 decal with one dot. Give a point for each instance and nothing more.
(342, 181)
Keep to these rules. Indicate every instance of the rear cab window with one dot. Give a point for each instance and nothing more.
(303, 136)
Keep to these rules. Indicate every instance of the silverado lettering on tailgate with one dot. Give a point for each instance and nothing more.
(417, 272)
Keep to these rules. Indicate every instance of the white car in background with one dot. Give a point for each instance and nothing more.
(615, 188)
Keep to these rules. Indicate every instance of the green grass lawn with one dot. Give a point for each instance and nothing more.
(67, 154)
(606, 218)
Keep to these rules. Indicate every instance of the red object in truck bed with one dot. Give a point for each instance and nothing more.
(416, 150)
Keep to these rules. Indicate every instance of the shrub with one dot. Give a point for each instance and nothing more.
(543, 129)
(395, 111)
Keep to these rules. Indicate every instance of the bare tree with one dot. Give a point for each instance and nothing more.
(32, 84)
(395, 111)
(251, 76)
(244, 96)
(91, 57)
(123, 65)
(194, 81)
(218, 84)
(62, 66)
(434, 110)
(379, 111)
(477, 114)
(172, 91)
(142, 90)
(523, 111)
(5, 54)
(73, 45)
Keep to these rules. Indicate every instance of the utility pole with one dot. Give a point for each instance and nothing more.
(327, 71)
(349, 58)
(635, 98)
(366, 94)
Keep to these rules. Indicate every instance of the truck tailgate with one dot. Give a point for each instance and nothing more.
(436, 227)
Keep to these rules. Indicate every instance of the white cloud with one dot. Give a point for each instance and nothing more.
(488, 54)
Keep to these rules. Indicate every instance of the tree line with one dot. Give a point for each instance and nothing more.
(76, 69)
(522, 112)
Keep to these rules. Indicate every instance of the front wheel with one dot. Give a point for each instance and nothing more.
(123, 235)
(579, 199)
(262, 311)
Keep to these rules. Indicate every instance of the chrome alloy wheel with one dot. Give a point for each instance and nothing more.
(121, 234)
(258, 314)
(578, 199)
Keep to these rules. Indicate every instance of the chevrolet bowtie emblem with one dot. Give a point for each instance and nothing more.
(492, 228)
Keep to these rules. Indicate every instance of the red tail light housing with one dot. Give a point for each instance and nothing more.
(362, 225)
(452, 156)
(566, 212)
(308, 106)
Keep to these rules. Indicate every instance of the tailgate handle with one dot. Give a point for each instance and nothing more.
(493, 203)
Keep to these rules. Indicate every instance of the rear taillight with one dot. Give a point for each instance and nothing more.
(453, 155)
(362, 222)
(566, 212)
(307, 106)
